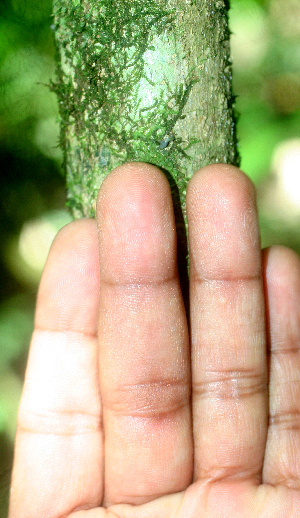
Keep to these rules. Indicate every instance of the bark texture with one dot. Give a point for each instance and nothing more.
(144, 81)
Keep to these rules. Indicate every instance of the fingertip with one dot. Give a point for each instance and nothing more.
(223, 222)
(79, 232)
(126, 176)
(136, 223)
(281, 273)
(281, 253)
(225, 178)
(217, 169)
(71, 273)
(281, 267)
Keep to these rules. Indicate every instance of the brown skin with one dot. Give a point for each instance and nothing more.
(123, 414)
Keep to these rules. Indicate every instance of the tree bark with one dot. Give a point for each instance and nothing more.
(142, 80)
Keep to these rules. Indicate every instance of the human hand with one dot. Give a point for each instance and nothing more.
(123, 415)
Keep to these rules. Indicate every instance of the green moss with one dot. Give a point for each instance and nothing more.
(125, 77)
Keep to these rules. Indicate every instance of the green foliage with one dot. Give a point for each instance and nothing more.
(265, 48)
(31, 184)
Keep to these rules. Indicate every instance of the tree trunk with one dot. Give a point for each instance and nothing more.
(142, 80)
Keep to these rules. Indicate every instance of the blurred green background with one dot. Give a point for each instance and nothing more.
(266, 73)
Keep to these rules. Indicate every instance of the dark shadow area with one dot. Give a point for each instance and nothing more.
(182, 243)
(6, 455)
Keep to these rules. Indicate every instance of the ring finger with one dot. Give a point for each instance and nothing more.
(229, 367)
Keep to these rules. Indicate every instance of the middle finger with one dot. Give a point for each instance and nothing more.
(144, 357)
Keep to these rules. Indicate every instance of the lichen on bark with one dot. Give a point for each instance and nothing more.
(142, 81)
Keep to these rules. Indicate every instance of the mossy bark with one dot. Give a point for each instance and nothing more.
(144, 81)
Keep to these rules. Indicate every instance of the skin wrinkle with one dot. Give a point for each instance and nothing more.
(204, 279)
(140, 283)
(287, 420)
(87, 334)
(176, 397)
(50, 419)
(229, 384)
(285, 347)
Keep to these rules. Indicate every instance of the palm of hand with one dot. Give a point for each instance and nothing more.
(206, 427)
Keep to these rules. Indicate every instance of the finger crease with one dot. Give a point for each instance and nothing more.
(197, 279)
(156, 399)
(231, 386)
(64, 423)
(138, 284)
(289, 420)
(285, 347)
